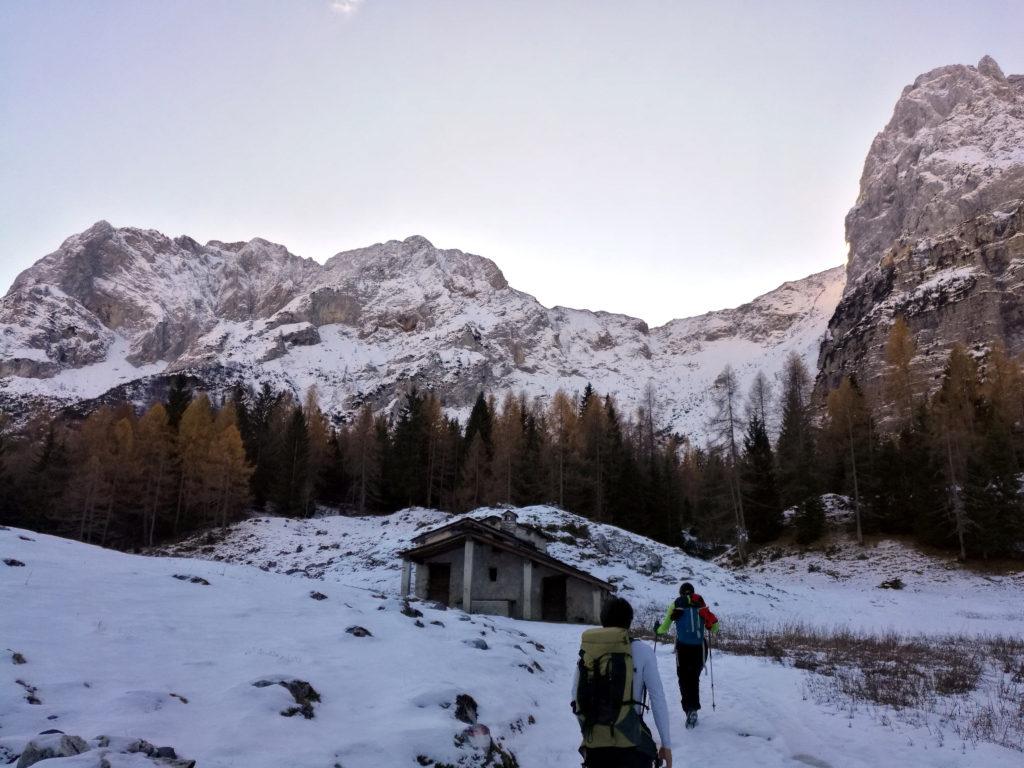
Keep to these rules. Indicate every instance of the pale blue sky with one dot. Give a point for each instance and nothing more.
(655, 158)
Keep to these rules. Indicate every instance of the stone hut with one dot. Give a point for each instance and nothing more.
(497, 566)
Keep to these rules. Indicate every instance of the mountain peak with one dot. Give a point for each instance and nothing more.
(988, 66)
(418, 241)
(953, 150)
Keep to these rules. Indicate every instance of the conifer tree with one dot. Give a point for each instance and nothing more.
(899, 386)
(48, 477)
(230, 470)
(363, 460)
(593, 456)
(759, 400)
(848, 430)
(797, 479)
(475, 474)
(763, 511)
(157, 457)
(266, 422)
(292, 492)
(481, 420)
(726, 426)
(194, 446)
(809, 520)
(508, 448)
(563, 420)
(319, 432)
(10, 495)
(955, 434)
(178, 398)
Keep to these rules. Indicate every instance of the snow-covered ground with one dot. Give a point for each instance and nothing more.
(115, 645)
(940, 596)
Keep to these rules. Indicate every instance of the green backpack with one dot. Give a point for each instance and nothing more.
(604, 693)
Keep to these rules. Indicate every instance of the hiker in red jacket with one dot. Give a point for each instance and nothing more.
(692, 618)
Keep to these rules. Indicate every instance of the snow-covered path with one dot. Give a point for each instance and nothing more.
(764, 717)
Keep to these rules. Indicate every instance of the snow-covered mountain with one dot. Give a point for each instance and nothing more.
(191, 654)
(953, 150)
(937, 233)
(127, 307)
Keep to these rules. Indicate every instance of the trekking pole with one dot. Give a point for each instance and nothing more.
(711, 665)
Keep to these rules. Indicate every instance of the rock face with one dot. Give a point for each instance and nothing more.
(954, 149)
(127, 308)
(965, 286)
(936, 236)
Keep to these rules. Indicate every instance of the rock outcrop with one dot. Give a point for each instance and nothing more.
(936, 235)
(953, 150)
(965, 286)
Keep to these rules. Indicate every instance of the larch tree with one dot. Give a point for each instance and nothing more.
(157, 457)
(848, 426)
(508, 447)
(898, 378)
(319, 431)
(195, 439)
(563, 420)
(230, 469)
(364, 459)
(727, 426)
(955, 433)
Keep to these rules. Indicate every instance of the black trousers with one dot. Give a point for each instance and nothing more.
(689, 664)
(616, 757)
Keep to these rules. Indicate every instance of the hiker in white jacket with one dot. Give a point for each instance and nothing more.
(618, 613)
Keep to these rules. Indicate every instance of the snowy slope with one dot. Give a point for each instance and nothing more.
(107, 638)
(115, 306)
(940, 597)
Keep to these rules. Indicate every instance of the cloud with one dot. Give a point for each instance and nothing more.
(346, 7)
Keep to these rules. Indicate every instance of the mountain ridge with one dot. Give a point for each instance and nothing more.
(364, 325)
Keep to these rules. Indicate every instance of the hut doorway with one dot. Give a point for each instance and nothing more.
(439, 582)
(553, 598)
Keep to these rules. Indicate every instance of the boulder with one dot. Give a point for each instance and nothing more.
(50, 745)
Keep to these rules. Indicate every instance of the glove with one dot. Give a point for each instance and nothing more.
(714, 628)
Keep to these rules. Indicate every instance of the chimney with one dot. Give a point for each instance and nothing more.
(508, 521)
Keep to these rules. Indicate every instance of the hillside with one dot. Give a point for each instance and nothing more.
(195, 665)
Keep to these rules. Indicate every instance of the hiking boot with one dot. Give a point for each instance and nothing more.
(691, 720)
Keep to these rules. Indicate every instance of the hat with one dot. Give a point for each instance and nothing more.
(686, 589)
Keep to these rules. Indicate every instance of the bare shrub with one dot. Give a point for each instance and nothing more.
(970, 686)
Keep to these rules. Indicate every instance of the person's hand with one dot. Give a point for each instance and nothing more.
(714, 628)
(665, 755)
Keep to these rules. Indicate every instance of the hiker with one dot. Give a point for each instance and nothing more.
(614, 676)
(692, 617)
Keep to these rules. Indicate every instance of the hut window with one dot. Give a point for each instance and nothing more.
(493, 573)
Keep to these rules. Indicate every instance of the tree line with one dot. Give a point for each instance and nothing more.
(943, 467)
(946, 468)
(121, 477)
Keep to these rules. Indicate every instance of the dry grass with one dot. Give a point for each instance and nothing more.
(971, 687)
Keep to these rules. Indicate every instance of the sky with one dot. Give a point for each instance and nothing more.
(659, 159)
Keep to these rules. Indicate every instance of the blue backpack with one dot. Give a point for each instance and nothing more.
(689, 624)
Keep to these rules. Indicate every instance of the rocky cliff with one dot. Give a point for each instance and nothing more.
(935, 236)
(123, 309)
